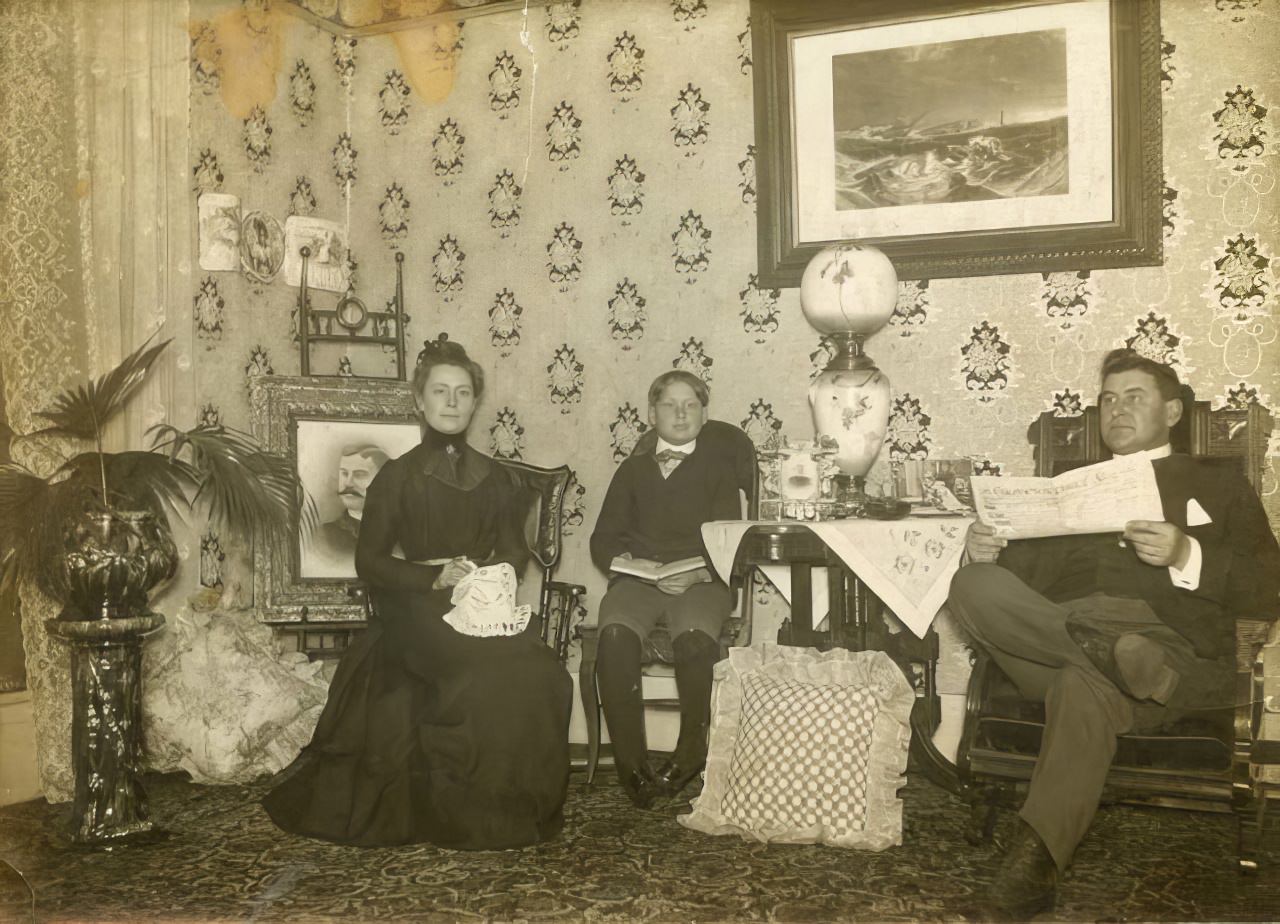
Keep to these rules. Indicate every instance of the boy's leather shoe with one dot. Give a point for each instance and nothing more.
(640, 785)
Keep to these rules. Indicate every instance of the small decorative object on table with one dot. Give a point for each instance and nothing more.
(848, 292)
(798, 483)
(94, 535)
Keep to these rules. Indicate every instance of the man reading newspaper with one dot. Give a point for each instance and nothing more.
(1095, 625)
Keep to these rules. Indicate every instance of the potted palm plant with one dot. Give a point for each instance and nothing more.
(95, 535)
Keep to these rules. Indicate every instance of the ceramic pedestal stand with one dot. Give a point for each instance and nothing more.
(106, 728)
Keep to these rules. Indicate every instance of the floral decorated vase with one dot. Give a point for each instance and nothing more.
(848, 292)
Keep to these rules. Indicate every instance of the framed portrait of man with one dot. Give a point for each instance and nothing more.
(339, 433)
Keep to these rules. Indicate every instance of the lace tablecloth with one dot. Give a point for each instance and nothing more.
(907, 563)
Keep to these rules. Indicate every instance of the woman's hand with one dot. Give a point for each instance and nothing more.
(453, 572)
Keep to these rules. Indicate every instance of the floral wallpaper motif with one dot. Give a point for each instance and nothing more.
(691, 246)
(986, 364)
(562, 21)
(257, 139)
(209, 309)
(302, 93)
(626, 314)
(626, 188)
(504, 202)
(693, 358)
(626, 67)
(393, 103)
(504, 84)
(625, 430)
(343, 54)
(206, 172)
(912, 310)
(759, 309)
(689, 118)
(344, 162)
(564, 257)
(302, 201)
(446, 149)
(564, 379)
(564, 136)
(504, 322)
(908, 434)
(1066, 297)
(1241, 130)
(506, 436)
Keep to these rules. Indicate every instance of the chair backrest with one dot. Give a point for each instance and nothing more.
(1236, 435)
(545, 488)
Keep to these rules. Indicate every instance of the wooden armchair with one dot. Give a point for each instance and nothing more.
(1210, 762)
(656, 652)
(558, 601)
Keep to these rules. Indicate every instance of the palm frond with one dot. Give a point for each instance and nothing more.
(82, 411)
(20, 491)
(247, 490)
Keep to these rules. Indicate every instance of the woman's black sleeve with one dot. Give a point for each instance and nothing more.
(379, 532)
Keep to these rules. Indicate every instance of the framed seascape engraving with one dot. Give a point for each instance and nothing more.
(338, 434)
(961, 138)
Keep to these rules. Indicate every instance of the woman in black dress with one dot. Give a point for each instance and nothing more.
(428, 734)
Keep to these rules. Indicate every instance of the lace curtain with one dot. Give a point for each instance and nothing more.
(95, 245)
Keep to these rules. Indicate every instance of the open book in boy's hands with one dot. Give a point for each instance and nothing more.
(653, 571)
(1099, 498)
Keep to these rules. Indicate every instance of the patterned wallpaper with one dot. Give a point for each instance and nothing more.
(578, 210)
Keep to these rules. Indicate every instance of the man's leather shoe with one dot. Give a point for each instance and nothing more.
(1134, 663)
(640, 785)
(1027, 882)
(673, 778)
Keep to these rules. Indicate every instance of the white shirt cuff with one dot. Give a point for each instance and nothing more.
(1189, 577)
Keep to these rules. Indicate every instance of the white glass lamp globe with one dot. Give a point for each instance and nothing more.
(848, 288)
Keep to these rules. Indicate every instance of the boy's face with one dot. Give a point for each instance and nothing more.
(678, 415)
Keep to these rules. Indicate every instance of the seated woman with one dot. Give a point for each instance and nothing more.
(428, 734)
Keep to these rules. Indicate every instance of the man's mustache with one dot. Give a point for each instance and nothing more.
(351, 492)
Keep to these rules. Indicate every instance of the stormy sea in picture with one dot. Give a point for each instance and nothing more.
(958, 121)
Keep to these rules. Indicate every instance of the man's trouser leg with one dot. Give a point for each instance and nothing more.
(1025, 635)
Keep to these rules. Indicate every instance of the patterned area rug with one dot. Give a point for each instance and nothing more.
(224, 861)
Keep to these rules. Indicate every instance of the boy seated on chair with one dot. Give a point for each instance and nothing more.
(652, 515)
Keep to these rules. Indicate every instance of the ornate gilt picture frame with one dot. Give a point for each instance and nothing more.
(332, 420)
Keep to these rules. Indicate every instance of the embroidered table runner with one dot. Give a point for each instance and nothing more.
(907, 563)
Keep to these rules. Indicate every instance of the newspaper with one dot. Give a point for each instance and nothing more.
(1099, 498)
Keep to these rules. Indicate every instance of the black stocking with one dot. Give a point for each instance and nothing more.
(618, 680)
(696, 654)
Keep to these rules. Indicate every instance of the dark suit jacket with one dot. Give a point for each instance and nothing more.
(1240, 574)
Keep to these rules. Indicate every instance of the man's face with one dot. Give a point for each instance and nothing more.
(354, 474)
(678, 415)
(1132, 414)
(447, 399)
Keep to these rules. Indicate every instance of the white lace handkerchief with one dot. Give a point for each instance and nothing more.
(484, 603)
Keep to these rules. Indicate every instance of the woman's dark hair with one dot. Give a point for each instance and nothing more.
(444, 352)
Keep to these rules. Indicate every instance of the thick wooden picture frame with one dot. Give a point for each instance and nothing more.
(1130, 236)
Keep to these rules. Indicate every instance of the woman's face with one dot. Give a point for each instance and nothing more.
(447, 399)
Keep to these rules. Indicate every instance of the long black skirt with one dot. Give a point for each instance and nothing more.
(430, 735)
